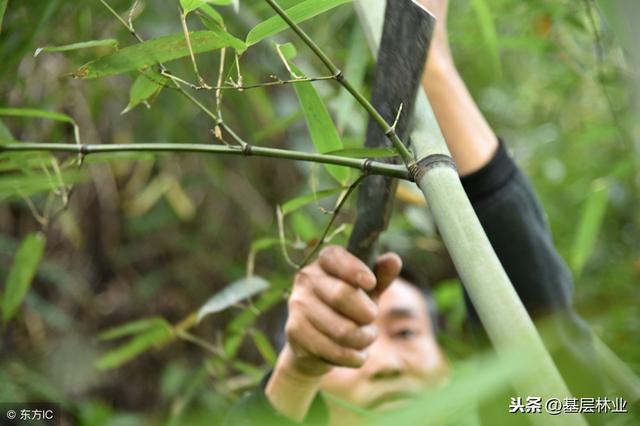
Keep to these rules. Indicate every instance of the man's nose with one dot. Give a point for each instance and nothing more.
(384, 362)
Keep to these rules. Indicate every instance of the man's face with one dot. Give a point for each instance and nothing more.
(403, 360)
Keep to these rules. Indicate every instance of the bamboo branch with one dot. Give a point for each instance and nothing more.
(363, 164)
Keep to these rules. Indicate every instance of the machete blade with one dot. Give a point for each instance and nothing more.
(406, 35)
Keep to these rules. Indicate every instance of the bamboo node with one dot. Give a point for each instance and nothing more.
(418, 169)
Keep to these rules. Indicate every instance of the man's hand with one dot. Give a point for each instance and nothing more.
(331, 314)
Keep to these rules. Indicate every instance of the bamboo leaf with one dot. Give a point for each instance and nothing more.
(589, 225)
(191, 5)
(299, 13)
(146, 86)
(264, 347)
(155, 336)
(489, 33)
(37, 113)
(324, 134)
(296, 203)
(75, 46)
(21, 274)
(3, 7)
(210, 14)
(152, 52)
(232, 294)
(134, 327)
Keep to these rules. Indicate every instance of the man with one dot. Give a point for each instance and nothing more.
(366, 338)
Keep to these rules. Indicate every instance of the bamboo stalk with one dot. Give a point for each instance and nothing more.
(363, 164)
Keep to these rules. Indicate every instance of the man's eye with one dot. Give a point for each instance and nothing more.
(406, 333)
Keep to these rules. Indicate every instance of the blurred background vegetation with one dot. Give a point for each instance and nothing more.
(147, 239)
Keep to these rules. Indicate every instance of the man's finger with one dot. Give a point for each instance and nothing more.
(387, 269)
(338, 262)
(351, 302)
(306, 337)
(340, 329)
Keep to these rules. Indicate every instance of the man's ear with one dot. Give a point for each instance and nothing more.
(387, 268)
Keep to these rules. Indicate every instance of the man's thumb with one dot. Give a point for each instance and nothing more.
(387, 268)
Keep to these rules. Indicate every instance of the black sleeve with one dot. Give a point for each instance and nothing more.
(516, 226)
(254, 409)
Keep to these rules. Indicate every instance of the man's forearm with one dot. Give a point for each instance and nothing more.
(470, 139)
(289, 392)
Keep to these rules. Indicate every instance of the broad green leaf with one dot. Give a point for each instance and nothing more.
(303, 200)
(37, 113)
(134, 327)
(154, 336)
(232, 294)
(589, 225)
(365, 152)
(75, 46)
(264, 347)
(489, 33)
(213, 14)
(146, 86)
(298, 13)
(21, 274)
(321, 128)
(3, 7)
(163, 49)
(191, 5)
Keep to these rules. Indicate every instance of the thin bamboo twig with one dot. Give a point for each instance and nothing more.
(334, 215)
(364, 164)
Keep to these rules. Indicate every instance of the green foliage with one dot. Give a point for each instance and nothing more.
(24, 268)
(589, 225)
(3, 8)
(111, 42)
(36, 113)
(146, 334)
(146, 86)
(298, 202)
(163, 49)
(489, 34)
(299, 13)
(232, 294)
(321, 127)
(264, 346)
(191, 5)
